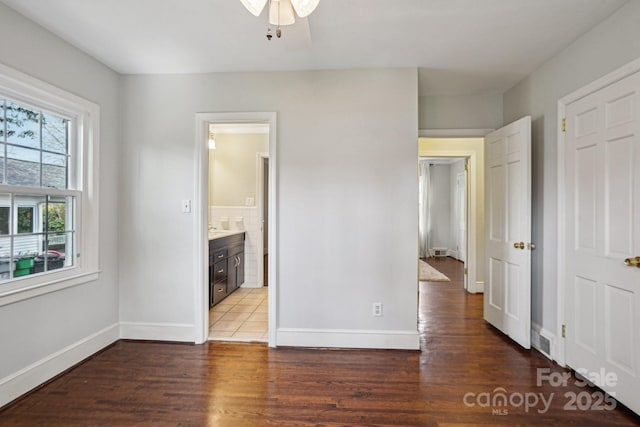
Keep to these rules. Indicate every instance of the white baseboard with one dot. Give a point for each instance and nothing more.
(476, 288)
(30, 377)
(157, 331)
(339, 338)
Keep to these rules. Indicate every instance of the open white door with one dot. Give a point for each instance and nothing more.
(602, 205)
(507, 298)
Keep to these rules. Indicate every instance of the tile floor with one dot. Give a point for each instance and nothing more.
(242, 316)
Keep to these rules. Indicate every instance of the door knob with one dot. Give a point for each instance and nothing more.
(632, 262)
(519, 245)
(531, 246)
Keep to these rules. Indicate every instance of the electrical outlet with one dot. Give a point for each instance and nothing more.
(377, 309)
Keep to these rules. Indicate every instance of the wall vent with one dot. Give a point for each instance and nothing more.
(545, 345)
(439, 252)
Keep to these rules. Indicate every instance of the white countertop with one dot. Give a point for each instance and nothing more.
(219, 234)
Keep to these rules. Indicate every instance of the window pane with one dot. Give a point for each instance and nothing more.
(25, 250)
(5, 211)
(59, 214)
(23, 125)
(2, 162)
(59, 245)
(54, 176)
(25, 219)
(54, 133)
(2, 101)
(23, 166)
(54, 159)
(5, 260)
(54, 170)
(27, 214)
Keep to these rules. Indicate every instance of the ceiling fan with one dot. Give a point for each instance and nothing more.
(281, 12)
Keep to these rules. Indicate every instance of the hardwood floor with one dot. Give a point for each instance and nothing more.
(228, 384)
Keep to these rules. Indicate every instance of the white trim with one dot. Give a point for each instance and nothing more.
(86, 117)
(53, 284)
(602, 82)
(453, 133)
(157, 331)
(476, 287)
(240, 129)
(200, 206)
(346, 338)
(29, 377)
(471, 261)
(259, 205)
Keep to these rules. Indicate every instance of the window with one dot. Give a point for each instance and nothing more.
(48, 192)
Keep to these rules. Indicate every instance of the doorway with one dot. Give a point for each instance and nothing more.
(471, 148)
(203, 217)
(443, 210)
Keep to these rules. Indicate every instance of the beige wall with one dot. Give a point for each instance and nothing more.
(474, 149)
(232, 168)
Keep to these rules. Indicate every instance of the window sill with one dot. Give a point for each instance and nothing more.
(46, 286)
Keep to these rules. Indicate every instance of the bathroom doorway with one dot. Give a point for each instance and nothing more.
(247, 312)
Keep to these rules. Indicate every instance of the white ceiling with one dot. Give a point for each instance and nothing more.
(461, 47)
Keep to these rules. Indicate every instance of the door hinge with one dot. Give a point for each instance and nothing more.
(564, 331)
(564, 125)
(466, 271)
(466, 166)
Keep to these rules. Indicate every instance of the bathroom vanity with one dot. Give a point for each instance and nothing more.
(226, 264)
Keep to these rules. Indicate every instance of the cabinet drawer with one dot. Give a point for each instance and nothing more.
(219, 255)
(219, 292)
(220, 271)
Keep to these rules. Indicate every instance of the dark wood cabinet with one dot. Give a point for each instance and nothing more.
(226, 266)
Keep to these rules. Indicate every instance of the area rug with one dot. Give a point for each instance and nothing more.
(430, 274)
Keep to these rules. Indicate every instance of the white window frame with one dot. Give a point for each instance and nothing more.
(84, 182)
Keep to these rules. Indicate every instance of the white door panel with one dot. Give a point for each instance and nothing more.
(602, 175)
(507, 301)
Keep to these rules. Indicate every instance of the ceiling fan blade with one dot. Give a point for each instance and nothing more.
(304, 7)
(254, 6)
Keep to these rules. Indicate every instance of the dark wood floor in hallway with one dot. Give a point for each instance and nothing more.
(456, 380)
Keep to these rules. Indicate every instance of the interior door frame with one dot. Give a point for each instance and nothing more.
(558, 352)
(260, 206)
(201, 207)
(471, 261)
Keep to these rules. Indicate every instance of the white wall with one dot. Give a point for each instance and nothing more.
(461, 112)
(33, 329)
(613, 43)
(440, 206)
(347, 193)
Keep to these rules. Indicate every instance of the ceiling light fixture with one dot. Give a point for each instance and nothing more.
(212, 140)
(281, 12)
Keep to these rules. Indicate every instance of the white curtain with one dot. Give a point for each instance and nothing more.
(424, 226)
